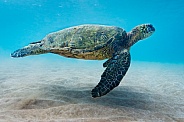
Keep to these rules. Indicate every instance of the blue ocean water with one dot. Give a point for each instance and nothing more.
(54, 88)
(28, 21)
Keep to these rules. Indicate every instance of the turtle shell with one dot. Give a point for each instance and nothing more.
(82, 39)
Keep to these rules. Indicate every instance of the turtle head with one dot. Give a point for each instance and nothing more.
(145, 30)
(140, 32)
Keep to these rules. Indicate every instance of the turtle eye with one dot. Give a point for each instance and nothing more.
(149, 29)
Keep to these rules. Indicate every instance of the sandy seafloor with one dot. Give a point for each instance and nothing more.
(56, 91)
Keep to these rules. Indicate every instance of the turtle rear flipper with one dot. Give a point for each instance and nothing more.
(31, 49)
(113, 74)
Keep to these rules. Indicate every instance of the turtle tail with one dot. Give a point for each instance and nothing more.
(31, 49)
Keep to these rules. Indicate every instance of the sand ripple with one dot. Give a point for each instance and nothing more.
(44, 91)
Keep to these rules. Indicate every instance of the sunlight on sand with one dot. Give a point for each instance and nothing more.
(61, 91)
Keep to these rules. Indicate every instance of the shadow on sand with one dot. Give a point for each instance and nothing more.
(54, 95)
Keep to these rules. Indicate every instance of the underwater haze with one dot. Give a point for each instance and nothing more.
(28, 21)
(50, 87)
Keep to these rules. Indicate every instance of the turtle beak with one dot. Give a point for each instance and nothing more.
(150, 28)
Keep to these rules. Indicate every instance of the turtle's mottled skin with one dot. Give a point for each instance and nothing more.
(93, 42)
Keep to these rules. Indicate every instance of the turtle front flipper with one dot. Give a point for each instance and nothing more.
(113, 74)
(105, 64)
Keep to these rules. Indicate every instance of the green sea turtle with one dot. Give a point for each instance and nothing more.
(93, 42)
